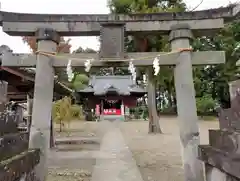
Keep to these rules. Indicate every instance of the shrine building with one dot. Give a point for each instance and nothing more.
(111, 96)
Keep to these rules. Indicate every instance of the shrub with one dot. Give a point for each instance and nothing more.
(205, 104)
(64, 112)
(76, 111)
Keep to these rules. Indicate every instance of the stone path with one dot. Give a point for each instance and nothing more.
(112, 160)
(120, 164)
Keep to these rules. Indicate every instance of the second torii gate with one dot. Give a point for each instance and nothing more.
(113, 28)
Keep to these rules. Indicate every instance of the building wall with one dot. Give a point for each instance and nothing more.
(130, 101)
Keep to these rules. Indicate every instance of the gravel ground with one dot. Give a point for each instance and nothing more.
(157, 156)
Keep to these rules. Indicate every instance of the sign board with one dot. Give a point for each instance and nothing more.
(112, 41)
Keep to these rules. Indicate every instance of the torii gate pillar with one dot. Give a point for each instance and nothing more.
(186, 104)
(47, 40)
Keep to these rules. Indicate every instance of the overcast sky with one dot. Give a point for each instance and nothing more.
(73, 7)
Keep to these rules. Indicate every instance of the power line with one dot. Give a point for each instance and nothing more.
(197, 6)
(230, 2)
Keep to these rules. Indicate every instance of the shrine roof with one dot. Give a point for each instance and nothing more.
(123, 85)
(27, 75)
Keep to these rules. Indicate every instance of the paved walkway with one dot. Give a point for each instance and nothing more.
(120, 164)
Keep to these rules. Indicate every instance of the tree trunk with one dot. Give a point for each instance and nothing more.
(52, 142)
(141, 44)
(60, 126)
(154, 126)
(175, 103)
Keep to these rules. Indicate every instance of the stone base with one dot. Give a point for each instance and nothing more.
(222, 156)
(228, 164)
(112, 117)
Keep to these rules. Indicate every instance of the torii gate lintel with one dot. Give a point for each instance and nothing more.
(139, 59)
(21, 24)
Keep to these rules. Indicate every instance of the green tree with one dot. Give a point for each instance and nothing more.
(205, 104)
(61, 112)
(80, 81)
(214, 79)
(149, 43)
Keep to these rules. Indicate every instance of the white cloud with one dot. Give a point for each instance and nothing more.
(72, 7)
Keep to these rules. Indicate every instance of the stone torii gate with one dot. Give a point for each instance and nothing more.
(112, 28)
